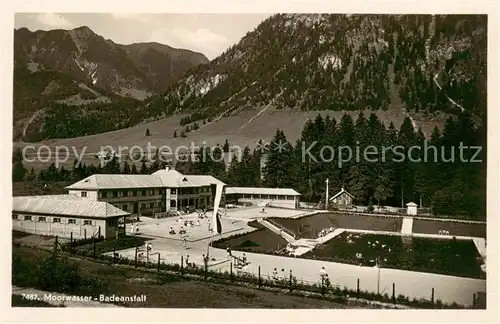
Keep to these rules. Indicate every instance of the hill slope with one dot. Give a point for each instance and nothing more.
(427, 67)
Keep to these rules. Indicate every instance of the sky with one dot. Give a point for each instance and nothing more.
(210, 34)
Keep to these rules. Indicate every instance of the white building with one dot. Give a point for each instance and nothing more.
(144, 194)
(65, 216)
(273, 197)
(411, 208)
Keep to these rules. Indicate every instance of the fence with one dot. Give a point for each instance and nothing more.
(152, 262)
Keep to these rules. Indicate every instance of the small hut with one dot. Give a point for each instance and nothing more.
(411, 208)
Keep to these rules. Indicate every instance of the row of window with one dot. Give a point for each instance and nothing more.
(267, 197)
(130, 193)
(144, 205)
(43, 219)
(144, 193)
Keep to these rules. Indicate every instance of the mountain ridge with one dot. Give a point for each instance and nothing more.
(322, 62)
(80, 68)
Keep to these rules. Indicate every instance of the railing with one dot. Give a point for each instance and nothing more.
(281, 227)
(321, 288)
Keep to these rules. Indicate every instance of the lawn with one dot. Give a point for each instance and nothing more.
(310, 226)
(455, 228)
(442, 256)
(122, 243)
(171, 291)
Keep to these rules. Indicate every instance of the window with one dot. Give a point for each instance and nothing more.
(56, 220)
(151, 205)
(143, 206)
(84, 194)
(173, 191)
(42, 219)
(124, 207)
(87, 222)
(28, 218)
(115, 194)
(15, 217)
(71, 221)
(144, 192)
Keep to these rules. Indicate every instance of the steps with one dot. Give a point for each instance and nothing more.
(278, 230)
(407, 227)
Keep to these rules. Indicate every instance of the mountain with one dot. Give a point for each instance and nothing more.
(78, 67)
(424, 65)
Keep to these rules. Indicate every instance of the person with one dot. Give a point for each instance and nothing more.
(137, 230)
(275, 274)
(282, 276)
(244, 258)
(198, 223)
(150, 246)
(205, 260)
(187, 261)
(171, 230)
(322, 273)
(179, 220)
(263, 210)
(228, 250)
(185, 243)
(132, 231)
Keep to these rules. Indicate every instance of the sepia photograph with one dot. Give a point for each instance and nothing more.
(250, 161)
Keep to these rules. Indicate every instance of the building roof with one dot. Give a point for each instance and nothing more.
(411, 204)
(173, 179)
(262, 191)
(64, 196)
(117, 181)
(168, 178)
(342, 191)
(203, 180)
(66, 207)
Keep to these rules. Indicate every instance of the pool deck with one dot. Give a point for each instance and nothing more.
(409, 283)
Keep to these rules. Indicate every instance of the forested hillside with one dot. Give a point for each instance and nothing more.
(428, 66)
(419, 63)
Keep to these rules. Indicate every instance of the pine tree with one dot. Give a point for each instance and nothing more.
(279, 161)
(175, 133)
(144, 168)
(126, 168)
(18, 171)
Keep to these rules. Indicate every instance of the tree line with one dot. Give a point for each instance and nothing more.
(449, 187)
